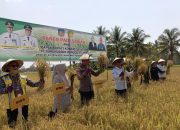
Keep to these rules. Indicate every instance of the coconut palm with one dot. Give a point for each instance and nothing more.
(169, 42)
(101, 30)
(118, 39)
(136, 41)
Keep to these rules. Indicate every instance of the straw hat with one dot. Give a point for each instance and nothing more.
(116, 59)
(153, 62)
(5, 66)
(161, 60)
(86, 57)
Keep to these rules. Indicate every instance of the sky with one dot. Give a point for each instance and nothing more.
(153, 16)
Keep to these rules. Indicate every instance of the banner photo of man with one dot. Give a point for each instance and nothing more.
(27, 41)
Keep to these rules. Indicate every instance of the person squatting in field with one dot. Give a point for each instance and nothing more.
(119, 75)
(84, 73)
(13, 85)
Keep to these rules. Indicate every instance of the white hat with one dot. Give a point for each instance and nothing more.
(85, 57)
(5, 66)
(153, 62)
(117, 59)
(161, 60)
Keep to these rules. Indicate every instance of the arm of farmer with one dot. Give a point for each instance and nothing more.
(3, 89)
(160, 71)
(84, 74)
(35, 84)
(130, 74)
(96, 73)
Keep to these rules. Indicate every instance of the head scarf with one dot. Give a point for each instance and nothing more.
(59, 75)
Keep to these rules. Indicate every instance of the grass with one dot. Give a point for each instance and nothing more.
(152, 107)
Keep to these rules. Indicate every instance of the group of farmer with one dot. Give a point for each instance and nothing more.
(13, 84)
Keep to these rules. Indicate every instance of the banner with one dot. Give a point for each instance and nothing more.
(26, 41)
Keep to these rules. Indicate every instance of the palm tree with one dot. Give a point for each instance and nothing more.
(136, 42)
(169, 42)
(118, 38)
(101, 30)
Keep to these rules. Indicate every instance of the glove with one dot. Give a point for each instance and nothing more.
(9, 89)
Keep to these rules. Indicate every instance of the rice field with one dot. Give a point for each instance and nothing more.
(152, 107)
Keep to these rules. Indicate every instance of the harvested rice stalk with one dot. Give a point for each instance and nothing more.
(142, 69)
(102, 61)
(137, 62)
(169, 65)
(43, 69)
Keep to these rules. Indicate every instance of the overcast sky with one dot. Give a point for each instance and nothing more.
(153, 16)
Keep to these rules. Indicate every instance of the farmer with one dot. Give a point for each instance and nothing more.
(162, 67)
(61, 101)
(84, 75)
(154, 71)
(13, 85)
(119, 75)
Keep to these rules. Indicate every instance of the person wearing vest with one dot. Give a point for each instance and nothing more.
(119, 75)
(13, 85)
(84, 73)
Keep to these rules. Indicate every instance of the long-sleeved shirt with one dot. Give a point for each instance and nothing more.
(16, 85)
(120, 83)
(85, 78)
(162, 72)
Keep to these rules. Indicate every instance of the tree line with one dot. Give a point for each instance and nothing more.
(121, 44)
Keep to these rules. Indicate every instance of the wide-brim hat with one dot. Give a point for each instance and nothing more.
(116, 59)
(153, 62)
(161, 60)
(86, 57)
(5, 66)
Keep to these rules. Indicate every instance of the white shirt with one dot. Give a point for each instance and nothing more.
(162, 68)
(29, 41)
(9, 39)
(120, 84)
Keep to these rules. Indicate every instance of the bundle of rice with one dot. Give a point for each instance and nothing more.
(137, 62)
(128, 64)
(103, 61)
(142, 69)
(43, 69)
(169, 65)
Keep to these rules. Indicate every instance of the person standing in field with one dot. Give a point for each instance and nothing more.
(162, 67)
(13, 85)
(61, 101)
(154, 70)
(10, 38)
(119, 75)
(84, 73)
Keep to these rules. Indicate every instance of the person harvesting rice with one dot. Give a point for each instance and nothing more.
(13, 85)
(119, 75)
(84, 73)
(161, 65)
(61, 101)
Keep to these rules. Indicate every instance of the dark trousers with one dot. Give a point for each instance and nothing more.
(12, 115)
(122, 93)
(86, 97)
